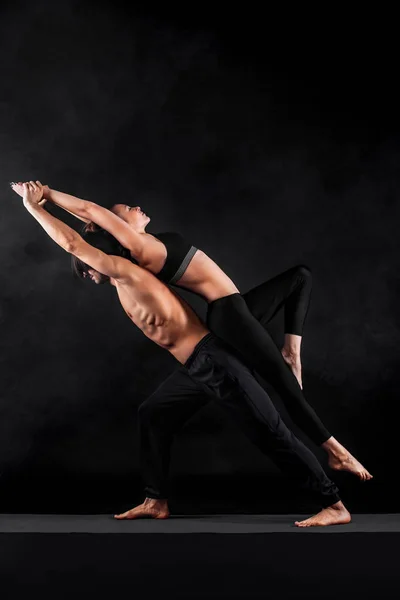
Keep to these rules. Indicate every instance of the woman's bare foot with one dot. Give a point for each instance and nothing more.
(349, 463)
(337, 514)
(340, 459)
(151, 508)
(294, 362)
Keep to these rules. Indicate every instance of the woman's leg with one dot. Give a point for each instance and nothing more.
(231, 319)
(290, 290)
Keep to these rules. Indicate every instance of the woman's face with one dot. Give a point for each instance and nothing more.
(132, 215)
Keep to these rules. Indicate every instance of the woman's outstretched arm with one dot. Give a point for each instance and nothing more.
(88, 211)
(73, 205)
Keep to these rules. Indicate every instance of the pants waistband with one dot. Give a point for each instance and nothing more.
(209, 337)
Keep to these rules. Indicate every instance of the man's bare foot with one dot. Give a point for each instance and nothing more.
(294, 362)
(337, 514)
(151, 508)
(340, 459)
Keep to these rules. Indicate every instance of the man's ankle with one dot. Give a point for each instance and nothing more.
(155, 501)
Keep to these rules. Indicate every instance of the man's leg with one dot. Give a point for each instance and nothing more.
(235, 388)
(161, 416)
(290, 290)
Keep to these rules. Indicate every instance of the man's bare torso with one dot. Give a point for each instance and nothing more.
(160, 313)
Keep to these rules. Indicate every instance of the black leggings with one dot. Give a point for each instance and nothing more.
(215, 372)
(240, 320)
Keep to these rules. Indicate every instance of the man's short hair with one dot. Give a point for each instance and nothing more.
(102, 240)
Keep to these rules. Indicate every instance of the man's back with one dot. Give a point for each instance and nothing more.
(162, 315)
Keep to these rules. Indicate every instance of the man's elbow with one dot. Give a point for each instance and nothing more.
(71, 245)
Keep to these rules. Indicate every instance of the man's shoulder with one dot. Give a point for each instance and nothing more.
(132, 270)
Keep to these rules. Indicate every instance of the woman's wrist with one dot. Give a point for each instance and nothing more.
(46, 192)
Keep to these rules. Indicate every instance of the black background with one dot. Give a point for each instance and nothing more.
(270, 138)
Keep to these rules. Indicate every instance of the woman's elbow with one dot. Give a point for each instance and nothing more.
(88, 210)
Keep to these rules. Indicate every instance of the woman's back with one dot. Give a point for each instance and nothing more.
(175, 261)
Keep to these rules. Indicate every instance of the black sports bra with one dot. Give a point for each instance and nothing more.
(179, 254)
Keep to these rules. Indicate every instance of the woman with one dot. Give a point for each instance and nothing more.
(239, 319)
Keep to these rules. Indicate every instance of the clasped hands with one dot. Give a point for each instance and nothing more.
(32, 192)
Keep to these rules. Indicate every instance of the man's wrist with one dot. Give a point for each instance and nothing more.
(32, 206)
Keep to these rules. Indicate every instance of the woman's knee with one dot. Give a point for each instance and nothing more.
(303, 271)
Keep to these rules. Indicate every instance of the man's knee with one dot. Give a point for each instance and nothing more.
(148, 411)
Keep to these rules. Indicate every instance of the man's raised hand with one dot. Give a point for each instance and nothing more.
(38, 199)
(32, 194)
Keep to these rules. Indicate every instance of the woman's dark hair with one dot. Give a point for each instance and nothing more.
(104, 241)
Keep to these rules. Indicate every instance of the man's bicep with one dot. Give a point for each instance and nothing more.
(126, 236)
(97, 260)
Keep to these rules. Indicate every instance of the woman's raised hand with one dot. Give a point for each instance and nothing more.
(37, 187)
(32, 193)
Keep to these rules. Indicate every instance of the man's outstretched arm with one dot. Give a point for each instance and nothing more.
(88, 211)
(67, 238)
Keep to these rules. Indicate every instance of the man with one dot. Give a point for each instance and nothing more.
(213, 372)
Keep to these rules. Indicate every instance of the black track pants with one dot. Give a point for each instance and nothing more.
(213, 371)
(240, 320)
